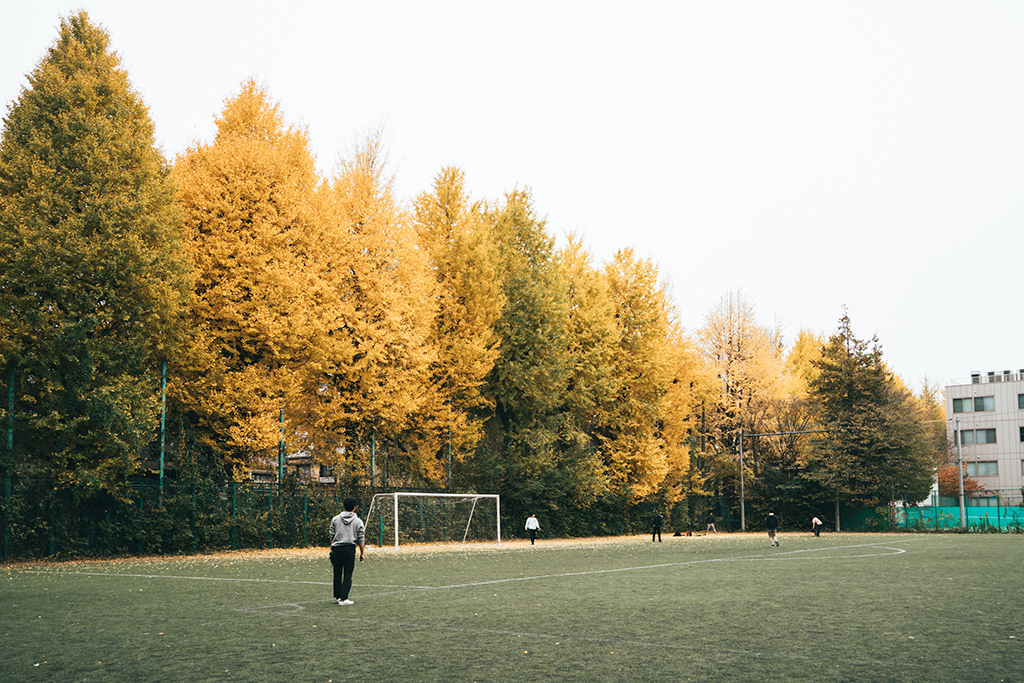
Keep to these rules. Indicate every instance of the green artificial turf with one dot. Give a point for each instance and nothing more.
(846, 607)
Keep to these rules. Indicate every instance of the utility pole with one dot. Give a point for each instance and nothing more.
(960, 476)
(743, 509)
(163, 424)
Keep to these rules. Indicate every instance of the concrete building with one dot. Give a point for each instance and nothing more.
(989, 410)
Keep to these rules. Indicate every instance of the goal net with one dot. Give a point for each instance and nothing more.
(395, 518)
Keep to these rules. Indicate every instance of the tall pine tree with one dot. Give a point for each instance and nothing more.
(875, 451)
(92, 274)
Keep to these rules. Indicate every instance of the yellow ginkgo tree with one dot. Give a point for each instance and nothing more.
(250, 222)
(373, 376)
(462, 259)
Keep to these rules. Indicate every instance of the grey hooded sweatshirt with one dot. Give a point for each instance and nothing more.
(348, 529)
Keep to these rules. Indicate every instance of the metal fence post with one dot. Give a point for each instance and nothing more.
(7, 514)
(193, 518)
(234, 506)
(141, 494)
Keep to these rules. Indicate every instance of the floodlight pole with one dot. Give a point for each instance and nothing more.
(395, 503)
(280, 452)
(960, 476)
(743, 509)
(373, 459)
(163, 424)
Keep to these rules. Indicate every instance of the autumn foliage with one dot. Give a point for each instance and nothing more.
(949, 483)
(442, 341)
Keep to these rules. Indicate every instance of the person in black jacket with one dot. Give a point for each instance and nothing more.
(772, 522)
(656, 523)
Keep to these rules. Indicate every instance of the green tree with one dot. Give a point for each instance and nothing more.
(530, 373)
(92, 273)
(875, 451)
(523, 449)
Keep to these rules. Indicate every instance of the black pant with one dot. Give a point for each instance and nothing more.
(533, 535)
(656, 534)
(343, 558)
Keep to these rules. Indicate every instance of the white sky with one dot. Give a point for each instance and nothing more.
(808, 154)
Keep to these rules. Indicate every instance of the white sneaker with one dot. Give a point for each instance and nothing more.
(345, 602)
(338, 600)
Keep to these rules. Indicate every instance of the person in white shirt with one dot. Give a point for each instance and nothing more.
(816, 524)
(532, 525)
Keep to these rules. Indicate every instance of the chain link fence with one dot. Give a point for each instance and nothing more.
(992, 510)
(41, 519)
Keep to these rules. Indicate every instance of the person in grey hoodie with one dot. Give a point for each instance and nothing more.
(347, 533)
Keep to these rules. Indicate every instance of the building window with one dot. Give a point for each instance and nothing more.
(1020, 401)
(1022, 433)
(988, 468)
(977, 404)
(970, 436)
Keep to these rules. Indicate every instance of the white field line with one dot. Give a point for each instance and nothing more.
(297, 609)
(298, 606)
(210, 578)
(795, 555)
(608, 641)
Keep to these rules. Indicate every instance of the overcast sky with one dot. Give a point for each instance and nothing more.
(811, 155)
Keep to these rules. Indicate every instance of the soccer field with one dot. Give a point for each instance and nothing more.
(843, 607)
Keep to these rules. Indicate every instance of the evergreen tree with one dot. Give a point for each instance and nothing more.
(92, 273)
(522, 449)
(875, 451)
(530, 375)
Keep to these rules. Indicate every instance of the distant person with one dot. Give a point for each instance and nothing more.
(347, 533)
(772, 522)
(711, 523)
(657, 523)
(816, 524)
(532, 525)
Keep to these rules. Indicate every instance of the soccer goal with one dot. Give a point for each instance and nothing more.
(433, 518)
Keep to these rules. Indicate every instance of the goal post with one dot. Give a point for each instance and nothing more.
(409, 517)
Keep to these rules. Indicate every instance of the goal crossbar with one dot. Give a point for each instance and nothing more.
(377, 511)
